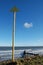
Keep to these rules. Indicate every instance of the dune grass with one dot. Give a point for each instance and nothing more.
(36, 60)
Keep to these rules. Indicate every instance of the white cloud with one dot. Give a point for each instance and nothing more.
(28, 25)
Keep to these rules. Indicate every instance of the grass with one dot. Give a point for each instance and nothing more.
(37, 60)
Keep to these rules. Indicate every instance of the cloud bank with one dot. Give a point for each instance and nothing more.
(28, 25)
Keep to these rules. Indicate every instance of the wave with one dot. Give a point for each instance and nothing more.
(21, 51)
(38, 51)
(18, 53)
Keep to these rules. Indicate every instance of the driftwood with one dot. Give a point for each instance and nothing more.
(27, 53)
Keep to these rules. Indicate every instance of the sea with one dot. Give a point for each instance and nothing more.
(6, 52)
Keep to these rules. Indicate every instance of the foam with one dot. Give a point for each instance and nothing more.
(19, 52)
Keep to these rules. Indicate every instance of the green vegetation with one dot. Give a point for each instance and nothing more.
(35, 60)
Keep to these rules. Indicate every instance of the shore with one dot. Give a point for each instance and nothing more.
(35, 60)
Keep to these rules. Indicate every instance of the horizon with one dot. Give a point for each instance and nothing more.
(21, 46)
(29, 22)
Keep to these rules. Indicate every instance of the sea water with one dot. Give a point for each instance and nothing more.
(6, 52)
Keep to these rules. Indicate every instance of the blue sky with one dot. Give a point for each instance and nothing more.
(29, 22)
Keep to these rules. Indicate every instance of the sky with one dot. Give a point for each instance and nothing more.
(29, 22)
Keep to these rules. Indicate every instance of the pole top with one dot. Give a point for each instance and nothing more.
(14, 9)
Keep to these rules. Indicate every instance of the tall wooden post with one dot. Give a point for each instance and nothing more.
(14, 10)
